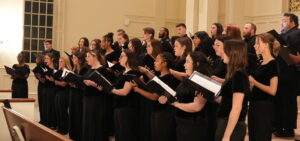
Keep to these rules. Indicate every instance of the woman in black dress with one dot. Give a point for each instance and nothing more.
(19, 84)
(183, 46)
(94, 101)
(76, 98)
(49, 92)
(204, 44)
(235, 91)
(126, 100)
(154, 47)
(62, 97)
(110, 54)
(83, 44)
(216, 30)
(135, 45)
(264, 81)
(37, 70)
(190, 116)
(162, 116)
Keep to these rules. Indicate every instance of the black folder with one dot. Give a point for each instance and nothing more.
(100, 80)
(136, 79)
(71, 77)
(204, 84)
(157, 86)
(9, 70)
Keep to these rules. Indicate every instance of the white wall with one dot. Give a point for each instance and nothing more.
(11, 30)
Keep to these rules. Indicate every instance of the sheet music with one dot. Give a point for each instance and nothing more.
(206, 82)
(65, 72)
(164, 85)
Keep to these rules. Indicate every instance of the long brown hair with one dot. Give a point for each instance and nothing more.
(273, 43)
(187, 42)
(156, 46)
(236, 50)
(81, 62)
(131, 59)
(67, 62)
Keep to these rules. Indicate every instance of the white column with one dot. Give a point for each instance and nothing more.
(191, 18)
(208, 14)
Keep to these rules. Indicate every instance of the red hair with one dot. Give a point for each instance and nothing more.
(233, 31)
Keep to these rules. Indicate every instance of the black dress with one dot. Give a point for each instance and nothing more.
(162, 117)
(189, 126)
(19, 84)
(94, 111)
(48, 100)
(40, 91)
(261, 104)
(237, 83)
(75, 110)
(61, 105)
(126, 112)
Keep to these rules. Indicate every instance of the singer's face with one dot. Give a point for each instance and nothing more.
(75, 60)
(178, 49)
(47, 60)
(219, 48)
(123, 59)
(158, 63)
(213, 30)
(90, 59)
(188, 66)
(149, 48)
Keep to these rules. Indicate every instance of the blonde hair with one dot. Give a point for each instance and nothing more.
(273, 43)
(67, 62)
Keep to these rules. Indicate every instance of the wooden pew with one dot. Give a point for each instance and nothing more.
(31, 130)
(25, 106)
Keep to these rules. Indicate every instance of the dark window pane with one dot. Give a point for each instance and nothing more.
(26, 54)
(43, 0)
(27, 31)
(35, 8)
(26, 44)
(33, 57)
(27, 6)
(33, 45)
(34, 19)
(50, 8)
(34, 32)
(49, 20)
(41, 45)
(42, 8)
(42, 20)
(42, 32)
(49, 33)
(27, 19)
(50, 0)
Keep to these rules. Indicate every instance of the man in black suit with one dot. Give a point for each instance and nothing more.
(249, 36)
(288, 87)
(49, 49)
(165, 40)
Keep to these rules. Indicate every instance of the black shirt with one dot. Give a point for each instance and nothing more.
(179, 65)
(149, 62)
(113, 56)
(237, 83)
(169, 80)
(21, 71)
(185, 94)
(49, 84)
(130, 100)
(250, 44)
(90, 90)
(263, 74)
(56, 55)
(167, 46)
(220, 68)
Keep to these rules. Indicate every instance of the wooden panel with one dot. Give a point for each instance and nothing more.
(31, 130)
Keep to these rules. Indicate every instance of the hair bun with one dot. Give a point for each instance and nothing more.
(110, 35)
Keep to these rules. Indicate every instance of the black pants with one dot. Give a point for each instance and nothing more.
(191, 129)
(94, 125)
(41, 102)
(145, 107)
(61, 109)
(75, 111)
(126, 122)
(260, 120)
(49, 107)
(238, 133)
(163, 126)
(286, 99)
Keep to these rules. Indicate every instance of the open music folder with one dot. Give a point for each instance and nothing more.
(207, 86)
(9, 70)
(100, 80)
(115, 67)
(71, 77)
